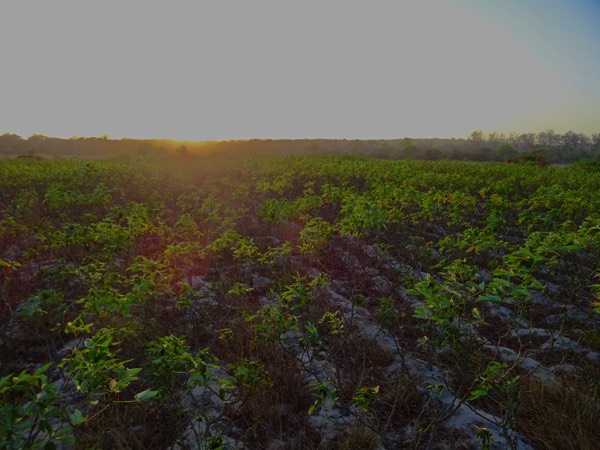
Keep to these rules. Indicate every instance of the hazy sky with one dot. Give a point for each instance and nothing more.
(292, 69)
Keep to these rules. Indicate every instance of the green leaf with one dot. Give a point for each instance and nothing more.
(145, 395)
(4, 381)
(42, 369)
(490, 298)
(421, 312)
(477, 393)
(9, 264)
(76, 417)
(131, 372)
(501, 282)
(521, 293)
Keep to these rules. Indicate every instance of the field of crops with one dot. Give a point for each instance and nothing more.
(298, 303)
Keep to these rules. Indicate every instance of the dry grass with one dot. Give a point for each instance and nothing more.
(132, 426)
(563, 418)
(278, 410)
(358, 437)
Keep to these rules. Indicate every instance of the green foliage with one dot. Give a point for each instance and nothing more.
(148, 267)
(240, 247)
(169, 361)
(249, 375)
(486, 437)
(385, 312)
(95, 370)
(46, 302)
(361, 215)
(321, 391)
(32, 412)
(278, 185)
(498, 384)
(315, 235)
(365, 396)
(333, 323)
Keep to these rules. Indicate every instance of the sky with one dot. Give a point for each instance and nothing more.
(212, 70)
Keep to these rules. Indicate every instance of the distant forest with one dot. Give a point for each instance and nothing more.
(544, 147)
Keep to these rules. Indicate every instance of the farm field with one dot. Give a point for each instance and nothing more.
(298, 302)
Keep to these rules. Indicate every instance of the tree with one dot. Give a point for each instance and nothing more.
(526, 142)
(494, 140)
(482, 154)
(574, 145)
(433, 154)
(476, 139)
(457, 155)
(409, 151)
(513, 139)
(548, 139)
(10, 143)
(382, 152)
(595, 145)
(506, 152)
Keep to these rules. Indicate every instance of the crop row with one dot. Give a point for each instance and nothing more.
(232, 302)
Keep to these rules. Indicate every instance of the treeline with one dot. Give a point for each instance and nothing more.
(543, 147)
